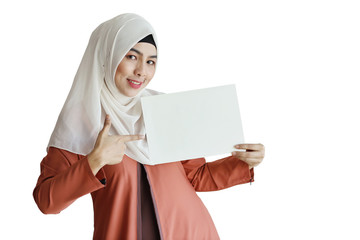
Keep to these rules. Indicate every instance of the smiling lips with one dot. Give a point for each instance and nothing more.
(134, 84)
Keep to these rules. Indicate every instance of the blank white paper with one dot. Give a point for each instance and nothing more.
(192, 124)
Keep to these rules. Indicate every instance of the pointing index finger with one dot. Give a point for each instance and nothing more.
(128, 138)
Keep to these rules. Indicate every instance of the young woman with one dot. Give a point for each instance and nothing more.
(99, 140)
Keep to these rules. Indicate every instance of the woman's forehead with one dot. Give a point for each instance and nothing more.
(144, 49)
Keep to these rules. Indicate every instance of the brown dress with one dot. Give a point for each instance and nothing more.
(123, 208)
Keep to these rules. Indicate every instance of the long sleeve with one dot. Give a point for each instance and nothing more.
(64, 177)
(217, 175)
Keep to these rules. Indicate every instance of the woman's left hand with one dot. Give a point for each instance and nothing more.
(253, 154)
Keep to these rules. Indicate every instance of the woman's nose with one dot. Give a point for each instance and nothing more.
(140, 70)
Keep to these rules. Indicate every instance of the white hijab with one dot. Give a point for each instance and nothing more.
(94, 93)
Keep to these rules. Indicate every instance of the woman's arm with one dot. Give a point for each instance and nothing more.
(217, 175)
(64, 177)
(225, 172)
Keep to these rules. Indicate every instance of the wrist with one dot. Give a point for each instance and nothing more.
(95, 162)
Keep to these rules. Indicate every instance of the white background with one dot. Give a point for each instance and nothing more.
(295, 65)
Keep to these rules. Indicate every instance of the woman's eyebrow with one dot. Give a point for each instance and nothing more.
(140, 53)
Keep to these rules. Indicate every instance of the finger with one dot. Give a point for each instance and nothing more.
(128, 138)
(244, 155)
(249, 146)
(252, 161)
(107, 125)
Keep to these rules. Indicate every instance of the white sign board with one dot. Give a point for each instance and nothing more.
(192, 124)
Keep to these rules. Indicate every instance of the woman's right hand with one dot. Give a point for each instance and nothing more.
(109, 149)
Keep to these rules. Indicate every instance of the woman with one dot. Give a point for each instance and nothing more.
(99, 141)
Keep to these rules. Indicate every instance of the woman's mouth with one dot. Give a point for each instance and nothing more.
(134, 84)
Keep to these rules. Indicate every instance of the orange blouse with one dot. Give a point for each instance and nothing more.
(180, 213)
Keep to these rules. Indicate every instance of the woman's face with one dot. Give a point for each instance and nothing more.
(136, 69)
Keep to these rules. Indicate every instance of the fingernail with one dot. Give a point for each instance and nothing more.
(233, 153)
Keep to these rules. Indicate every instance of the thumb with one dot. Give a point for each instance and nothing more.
(107, 125)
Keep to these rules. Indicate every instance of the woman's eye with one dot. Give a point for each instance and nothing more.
(151, 62)
(132, 57)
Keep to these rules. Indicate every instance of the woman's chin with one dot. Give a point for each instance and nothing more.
(131, 93)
